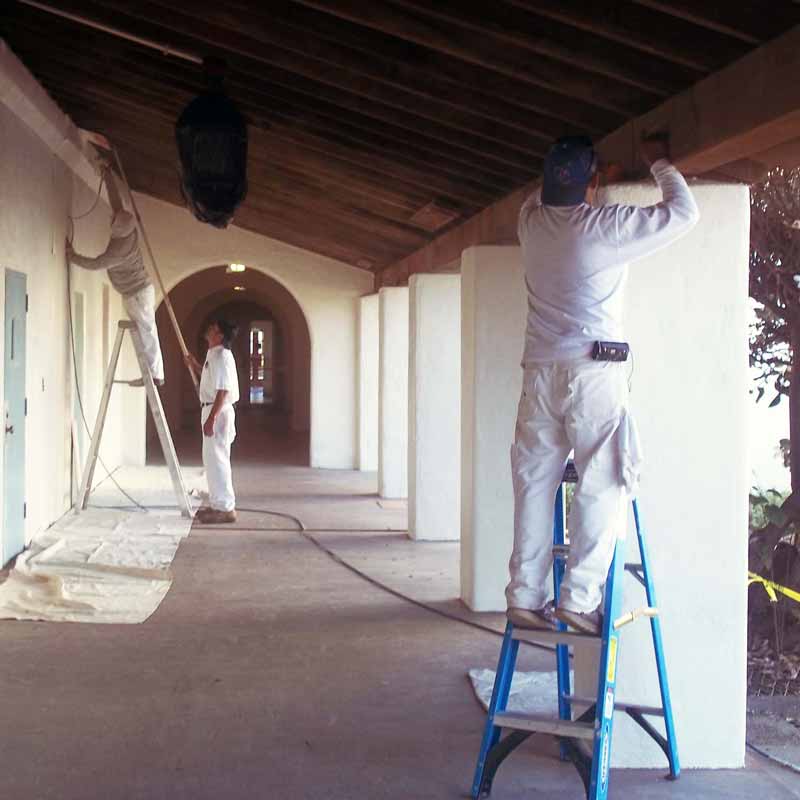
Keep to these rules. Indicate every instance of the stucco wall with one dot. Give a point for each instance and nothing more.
(326, 291)
(434, 407)
(37, 193)
(393, 392)
(368, 354)
(201, 294)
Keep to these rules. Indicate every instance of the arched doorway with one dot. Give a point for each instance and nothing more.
(273, 356)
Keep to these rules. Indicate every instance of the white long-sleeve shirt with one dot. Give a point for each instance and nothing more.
(576, 264)
(122, 257)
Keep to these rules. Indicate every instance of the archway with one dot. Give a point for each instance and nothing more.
(276, 431)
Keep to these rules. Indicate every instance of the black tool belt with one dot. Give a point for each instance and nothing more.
(610, 351)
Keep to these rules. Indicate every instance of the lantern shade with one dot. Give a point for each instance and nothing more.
(211, 134)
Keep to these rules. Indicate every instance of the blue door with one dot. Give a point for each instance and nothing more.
(13, 539)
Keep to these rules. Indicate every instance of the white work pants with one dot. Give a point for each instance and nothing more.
(217, 458)
(141, 308)
(567, 406)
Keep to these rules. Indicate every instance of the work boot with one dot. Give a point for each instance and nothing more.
(540, 620)
(215, 516)
(590, 622)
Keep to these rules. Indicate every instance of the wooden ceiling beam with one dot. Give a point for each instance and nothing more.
(673, 40)
(265, 214)
(508, 25)
(735, 114)
(493, 138)
(491, 145)
(307, 148)
(590, 89)
(401, 233)
(474, 152)
(271, 176)
(750, 22)
(447, 81)
(377, 141)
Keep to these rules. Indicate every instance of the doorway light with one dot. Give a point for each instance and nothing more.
(238, 288)
(236, 267)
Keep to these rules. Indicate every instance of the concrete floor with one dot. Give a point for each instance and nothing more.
(271, 671)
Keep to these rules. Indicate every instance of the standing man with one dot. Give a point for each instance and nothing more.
(126, 271)
(219, 390)
(576, 263)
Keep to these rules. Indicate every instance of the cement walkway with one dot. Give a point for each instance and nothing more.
(270, 671)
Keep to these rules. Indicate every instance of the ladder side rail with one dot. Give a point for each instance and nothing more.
(157, 410)
(99, 425)
(562, 650)
(607, 678)
(498, 703)
(658, 648)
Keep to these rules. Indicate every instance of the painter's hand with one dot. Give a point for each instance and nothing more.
(655, 147)
(208, 426)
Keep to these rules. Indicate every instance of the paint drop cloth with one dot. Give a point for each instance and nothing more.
(531, 692)
(109, 564)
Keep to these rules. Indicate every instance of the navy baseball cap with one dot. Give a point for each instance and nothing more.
(568, 169)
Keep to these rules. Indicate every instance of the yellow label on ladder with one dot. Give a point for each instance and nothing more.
(612, 659)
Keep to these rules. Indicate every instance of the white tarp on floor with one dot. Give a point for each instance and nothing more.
(109, 564)
(531, 692)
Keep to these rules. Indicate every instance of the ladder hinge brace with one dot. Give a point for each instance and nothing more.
(24, 511)
(26, 303)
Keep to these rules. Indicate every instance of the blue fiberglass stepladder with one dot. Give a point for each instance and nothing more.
(594, 726)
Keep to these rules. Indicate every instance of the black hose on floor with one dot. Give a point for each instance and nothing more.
(307, 535)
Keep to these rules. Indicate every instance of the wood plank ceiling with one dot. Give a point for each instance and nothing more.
(372, 123)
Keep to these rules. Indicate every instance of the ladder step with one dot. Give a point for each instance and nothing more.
(537, 723)
(619, 705)
(556, 637)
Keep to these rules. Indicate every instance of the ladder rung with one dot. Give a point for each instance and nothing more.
(555, 637)
(541, 724)
(619, 705)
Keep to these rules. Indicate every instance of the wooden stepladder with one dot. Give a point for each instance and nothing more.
(156, 409)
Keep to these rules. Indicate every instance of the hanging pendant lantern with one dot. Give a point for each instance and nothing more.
(211, 134)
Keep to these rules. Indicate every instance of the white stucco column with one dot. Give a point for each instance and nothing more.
(686, 319)
(368, 355)
(393, 392)
(493, 308)
(434, 407)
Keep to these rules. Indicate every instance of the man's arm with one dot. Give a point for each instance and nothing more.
(114, 197)
(219, 402)
(194, 365)
(640, 231)
(99, 262)
(533, 202)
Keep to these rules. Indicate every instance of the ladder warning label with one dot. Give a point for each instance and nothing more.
(608, 708)
(612, 659)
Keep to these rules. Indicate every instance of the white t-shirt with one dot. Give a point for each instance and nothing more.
(576, 264)
(219, 372)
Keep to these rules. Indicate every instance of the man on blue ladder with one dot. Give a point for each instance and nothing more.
(575, 391)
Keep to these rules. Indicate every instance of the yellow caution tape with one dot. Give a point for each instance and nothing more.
(770, 587)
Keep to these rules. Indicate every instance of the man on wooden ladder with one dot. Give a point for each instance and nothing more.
(126, 271)
(575, 392)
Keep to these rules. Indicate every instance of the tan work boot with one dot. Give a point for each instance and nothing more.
(590, 622)
(540, 620)
(213, 516)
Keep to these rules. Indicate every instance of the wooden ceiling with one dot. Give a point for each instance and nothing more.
(374, 122)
